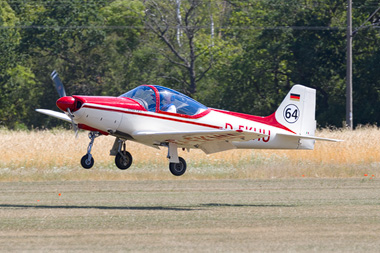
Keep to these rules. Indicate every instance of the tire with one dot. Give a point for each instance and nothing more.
(178, 169)
(122, 163)
(85, 163)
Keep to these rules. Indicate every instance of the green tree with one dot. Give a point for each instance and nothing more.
(236, 55)
(62, 35)
(366, 57)
(18, 87)
(127, 60)
(181, 27)
(281, 48)
(65, 35)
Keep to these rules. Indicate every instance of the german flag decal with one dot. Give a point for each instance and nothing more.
(295, 97)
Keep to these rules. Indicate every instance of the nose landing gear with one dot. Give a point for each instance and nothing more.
(87, 160)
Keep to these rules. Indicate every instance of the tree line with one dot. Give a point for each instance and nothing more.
(230, 54)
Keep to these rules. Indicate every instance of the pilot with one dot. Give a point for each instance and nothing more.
(167, 102)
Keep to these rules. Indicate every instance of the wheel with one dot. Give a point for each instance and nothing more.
(122, 163)
(178, 169)
(87, 164)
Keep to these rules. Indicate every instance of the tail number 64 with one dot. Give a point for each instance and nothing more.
(291, 113)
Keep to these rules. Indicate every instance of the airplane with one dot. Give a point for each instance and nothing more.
(161, 117)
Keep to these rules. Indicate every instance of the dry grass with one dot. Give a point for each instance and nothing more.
(55, 155)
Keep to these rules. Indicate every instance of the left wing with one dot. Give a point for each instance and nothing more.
(208, 141)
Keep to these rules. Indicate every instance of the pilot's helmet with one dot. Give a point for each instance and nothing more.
(166, 96)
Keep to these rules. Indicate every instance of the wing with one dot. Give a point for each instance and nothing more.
(58, 115)
(208, 141)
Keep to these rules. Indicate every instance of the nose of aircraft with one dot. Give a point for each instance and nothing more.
(66, 102)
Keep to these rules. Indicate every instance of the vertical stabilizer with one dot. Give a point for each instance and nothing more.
(297, 112)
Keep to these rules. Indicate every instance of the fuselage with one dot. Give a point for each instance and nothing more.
(126, 115)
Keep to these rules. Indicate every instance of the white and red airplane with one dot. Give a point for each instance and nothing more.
(160, 117)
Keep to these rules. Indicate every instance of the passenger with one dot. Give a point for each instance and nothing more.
(167, 102)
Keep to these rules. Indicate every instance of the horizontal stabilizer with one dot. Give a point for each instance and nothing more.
(58, 115)
(310, 137)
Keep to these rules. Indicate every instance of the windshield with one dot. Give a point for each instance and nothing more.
(144, 95)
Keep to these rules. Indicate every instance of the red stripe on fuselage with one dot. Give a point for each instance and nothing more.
(269, 120)
(152, 116)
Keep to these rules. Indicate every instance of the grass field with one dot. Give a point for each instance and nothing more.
(274, 215)
(55, 155)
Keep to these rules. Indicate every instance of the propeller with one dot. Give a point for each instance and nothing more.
(62, 93)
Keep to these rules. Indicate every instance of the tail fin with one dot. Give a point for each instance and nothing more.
(297, 113)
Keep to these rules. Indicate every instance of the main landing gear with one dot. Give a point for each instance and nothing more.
(123, 158)
(177, 165)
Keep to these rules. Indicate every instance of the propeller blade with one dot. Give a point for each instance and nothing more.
(75, 126)
(62, 93)
(58, 84)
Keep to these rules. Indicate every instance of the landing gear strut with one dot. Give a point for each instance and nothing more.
(123, 159)
(87, 160)
(177, 165)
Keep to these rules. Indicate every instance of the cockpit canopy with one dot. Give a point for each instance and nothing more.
(156, 98)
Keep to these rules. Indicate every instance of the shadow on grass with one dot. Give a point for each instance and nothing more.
(164, 208)
(152, 208)
(246, 205)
